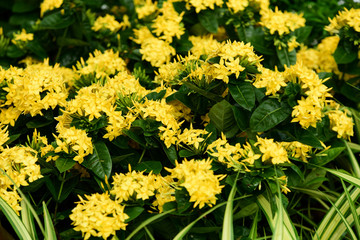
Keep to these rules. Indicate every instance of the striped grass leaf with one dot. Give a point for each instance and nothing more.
(288, 226)
(228, 228)
(186, 229)
(331, 226)
(14, 220)
(353, 209)
(278, 232)
(353, 160)
(28, 219)
(350, 179)
(344, 220)
(26, 201)
(50, 233)
(253, 230)
(147, 222)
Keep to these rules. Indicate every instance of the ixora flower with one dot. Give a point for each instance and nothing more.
(344, 18)
(281, 22)
(20, 38)
(48, 5)
(98, 215)
(199, 180)
(108, 22)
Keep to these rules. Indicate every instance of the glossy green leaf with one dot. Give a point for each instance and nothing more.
(221, 115)
(208, 19)
(241, 117)
(345, 52)
(244, 94)
(302, 33)
(133, 212)
(56, 20)
(269, 114)
(99, 162)
(350, 91)
(149, 166)
(326, 156)
(64, 164)
(285, 57)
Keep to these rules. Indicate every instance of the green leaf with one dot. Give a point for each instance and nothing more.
(186, 229)
(35, 47)
(208, 19)
(147, 222)
(228, 228)
(28, 219)
(306, 137)
(72, 42)
(56, 20)
(14, 220)
(149, 166)
(327, 156)
(244, 94)
(257, 38)
(345, 52)
(99, 162)
(21, 6)
(285, 57)
(269, 114)
(183, 153)
(133, 212)
(64, 164)
(352, 208)
(171, 153)
(241, 118)
(302, 33)
(38, 123)
(221, 115)
(50, 233)
(315, 178)
(14, 52)
(350, 91)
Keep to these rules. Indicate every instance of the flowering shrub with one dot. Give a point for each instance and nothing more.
(174, 119)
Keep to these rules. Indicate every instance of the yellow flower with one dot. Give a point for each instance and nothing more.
(145, 8)
(4, 135)
(203, 4)
(297, 150)
(192, 137)
(272, 151)
(344, 18)
(292, 44)
(307, 112)
(103, 64)
(273, 81)
(168, 24)
(99, 216)
(107, 22)
(12, 198)
(341, 123)
(237, 5)
(281, 22)
(75, 140)
(22, 37)
(203, 45)
(133, 184)
(164, 192)
(48, 5)
(199, 180)
(19, 163)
